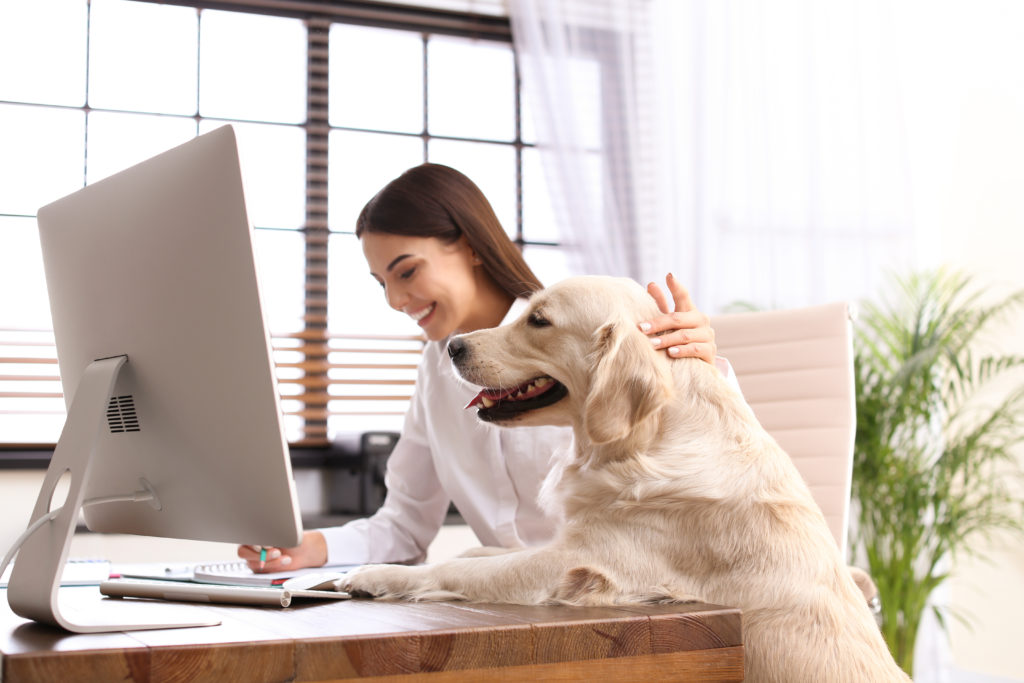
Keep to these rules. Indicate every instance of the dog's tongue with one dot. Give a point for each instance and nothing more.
(490, 395)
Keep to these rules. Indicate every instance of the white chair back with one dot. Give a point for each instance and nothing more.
(795, 368)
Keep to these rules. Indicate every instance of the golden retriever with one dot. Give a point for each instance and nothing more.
(674, 493)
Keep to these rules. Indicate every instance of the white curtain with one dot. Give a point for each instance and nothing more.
(587, 74)
(753, 148)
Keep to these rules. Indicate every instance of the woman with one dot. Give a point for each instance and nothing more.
(433, 242)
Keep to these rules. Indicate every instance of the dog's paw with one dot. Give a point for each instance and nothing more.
(394, 582)
(380, 581)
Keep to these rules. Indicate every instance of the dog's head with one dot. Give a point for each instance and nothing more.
(575, 356)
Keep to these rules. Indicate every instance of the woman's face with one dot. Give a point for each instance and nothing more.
(434, 283)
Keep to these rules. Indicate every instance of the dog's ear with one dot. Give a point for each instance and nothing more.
(629, 383)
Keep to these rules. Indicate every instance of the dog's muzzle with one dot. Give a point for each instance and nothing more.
(498, 404)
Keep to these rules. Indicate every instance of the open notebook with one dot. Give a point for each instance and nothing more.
(238, 573)
(232, 573)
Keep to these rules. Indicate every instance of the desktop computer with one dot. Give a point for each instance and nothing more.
(174, 423)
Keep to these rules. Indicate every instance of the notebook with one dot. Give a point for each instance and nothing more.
(232, 573)
(238, 573)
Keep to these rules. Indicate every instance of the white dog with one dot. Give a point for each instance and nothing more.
(675, 492)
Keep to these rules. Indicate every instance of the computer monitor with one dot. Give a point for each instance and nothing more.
(167, 372)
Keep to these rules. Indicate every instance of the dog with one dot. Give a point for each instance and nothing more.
(674, 492)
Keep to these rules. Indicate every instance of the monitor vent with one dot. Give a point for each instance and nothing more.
(121, 415)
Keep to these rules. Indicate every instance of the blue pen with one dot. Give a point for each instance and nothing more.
(263, 557)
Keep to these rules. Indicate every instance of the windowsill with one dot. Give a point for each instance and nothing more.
(29, 458)
(341, 454)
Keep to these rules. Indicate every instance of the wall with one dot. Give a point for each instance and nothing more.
(965, 108)
(19, 489)
(985, 233)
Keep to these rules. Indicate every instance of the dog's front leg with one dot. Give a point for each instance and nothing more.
(396, 582)
(527, 577)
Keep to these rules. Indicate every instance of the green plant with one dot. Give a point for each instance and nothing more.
(934, 452)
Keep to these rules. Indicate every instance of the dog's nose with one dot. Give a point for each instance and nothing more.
(456, 347)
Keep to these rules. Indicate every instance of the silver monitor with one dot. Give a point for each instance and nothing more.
(167, 373)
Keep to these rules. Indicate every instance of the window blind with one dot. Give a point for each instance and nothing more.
(319, 375)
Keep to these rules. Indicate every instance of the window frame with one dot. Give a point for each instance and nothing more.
(315, 337)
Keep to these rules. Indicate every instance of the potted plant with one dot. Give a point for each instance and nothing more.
(934, 449)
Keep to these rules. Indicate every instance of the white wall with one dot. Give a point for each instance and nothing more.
(18, 492)
(19, 489)
(965, 74)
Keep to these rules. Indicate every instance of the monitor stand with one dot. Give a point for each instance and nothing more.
(34, 587)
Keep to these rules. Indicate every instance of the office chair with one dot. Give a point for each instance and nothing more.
(795, 368)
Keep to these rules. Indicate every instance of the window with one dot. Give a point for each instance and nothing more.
(329, 100)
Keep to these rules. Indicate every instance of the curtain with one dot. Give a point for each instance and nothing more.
(755, 149)
(582, 66)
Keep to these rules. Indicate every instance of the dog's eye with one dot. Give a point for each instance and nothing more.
(537, 320)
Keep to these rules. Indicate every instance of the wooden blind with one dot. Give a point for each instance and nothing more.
(320, 376)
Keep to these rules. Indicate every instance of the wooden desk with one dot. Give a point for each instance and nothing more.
(383, 641)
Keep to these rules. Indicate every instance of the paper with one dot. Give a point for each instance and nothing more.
(77, 572)
(239, 574)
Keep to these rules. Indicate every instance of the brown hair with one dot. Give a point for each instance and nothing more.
(431, 200)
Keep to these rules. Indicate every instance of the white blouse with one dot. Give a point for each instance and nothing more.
(445, 454)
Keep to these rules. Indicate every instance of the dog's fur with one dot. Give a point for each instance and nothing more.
(674, 493)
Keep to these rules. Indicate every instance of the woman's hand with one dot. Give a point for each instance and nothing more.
(311, 553)
(687, 331)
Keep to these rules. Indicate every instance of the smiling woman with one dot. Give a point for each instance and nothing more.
(437, 284)
(433, 242)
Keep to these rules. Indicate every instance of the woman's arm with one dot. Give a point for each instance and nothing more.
(410, 517)
(400, 531)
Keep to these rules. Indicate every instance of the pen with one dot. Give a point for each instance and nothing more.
(263, 557)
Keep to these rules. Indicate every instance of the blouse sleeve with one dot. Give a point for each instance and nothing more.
(413, 510)
(725, 367)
